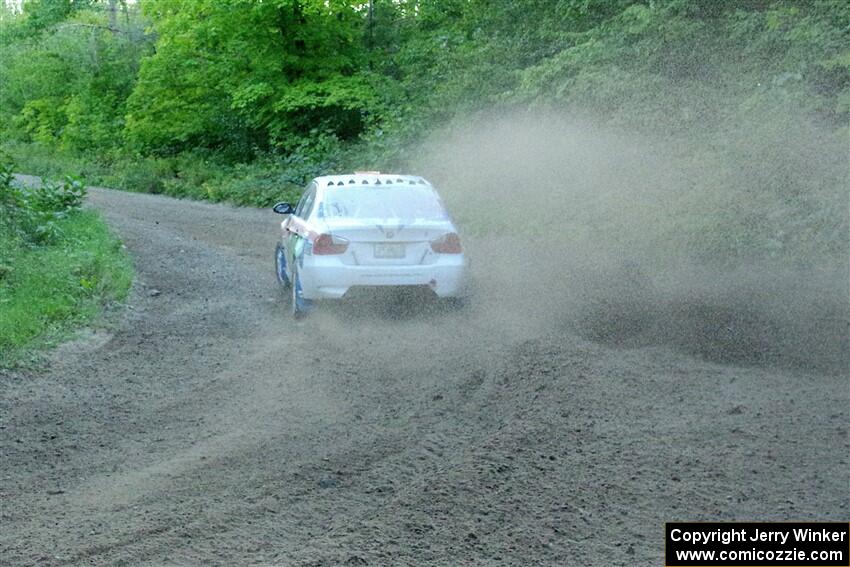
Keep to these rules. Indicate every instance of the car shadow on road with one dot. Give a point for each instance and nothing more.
(392, 304)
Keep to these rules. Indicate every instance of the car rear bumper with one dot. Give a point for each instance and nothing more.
(446, 278)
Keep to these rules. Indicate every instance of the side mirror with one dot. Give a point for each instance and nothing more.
(283, 209)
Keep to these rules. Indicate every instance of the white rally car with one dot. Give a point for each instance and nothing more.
(367, 230)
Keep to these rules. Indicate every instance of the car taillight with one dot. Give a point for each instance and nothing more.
(328, 244)
(447, 244)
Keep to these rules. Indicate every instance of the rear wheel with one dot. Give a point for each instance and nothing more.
(299, 306)
(280, 266)
(465, 299)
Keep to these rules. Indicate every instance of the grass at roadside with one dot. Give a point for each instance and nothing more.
(261, 183)
(49, 287)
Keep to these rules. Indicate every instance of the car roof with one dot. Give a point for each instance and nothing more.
(369, 178)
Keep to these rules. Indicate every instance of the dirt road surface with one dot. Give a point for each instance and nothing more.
(204, 426)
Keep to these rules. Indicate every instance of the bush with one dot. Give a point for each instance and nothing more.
(58, 264)
(31, 214)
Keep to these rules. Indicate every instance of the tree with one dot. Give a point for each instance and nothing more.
(67, 74)
(250, 74)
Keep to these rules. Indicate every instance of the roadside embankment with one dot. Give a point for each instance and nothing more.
(59, 265)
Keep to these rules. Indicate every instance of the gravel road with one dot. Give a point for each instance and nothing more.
(204, 426)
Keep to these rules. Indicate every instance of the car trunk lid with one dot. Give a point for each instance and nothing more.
(388, 242)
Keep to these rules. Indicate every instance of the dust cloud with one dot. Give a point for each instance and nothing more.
(727, 243)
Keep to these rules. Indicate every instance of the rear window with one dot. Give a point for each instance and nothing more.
(390, 201)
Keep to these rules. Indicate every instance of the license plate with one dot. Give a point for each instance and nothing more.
(389, 250)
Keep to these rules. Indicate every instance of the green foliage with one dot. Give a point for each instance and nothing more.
(54, 163)
(41, 14)
(240, 78)
(66, 75)
(244, 77)
(41, 120)
(46, 289)
(249, 75)
(33, 214)
(58, 264)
